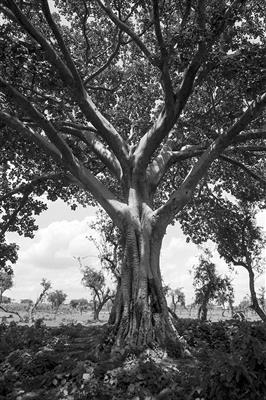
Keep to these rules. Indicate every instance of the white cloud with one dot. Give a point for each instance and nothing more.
(51, 255)
(55, 245)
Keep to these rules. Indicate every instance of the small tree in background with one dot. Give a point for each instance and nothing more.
(244, 303)
(240, 243)
(110, 253)
(56, 299)
(26, 301)
(95, 281)
(79, 304)
(177, 297)
(209, 286)
(109, 245)
(46, 286)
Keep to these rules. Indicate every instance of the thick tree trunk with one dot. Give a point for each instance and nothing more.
(140, 315)
(255, 303)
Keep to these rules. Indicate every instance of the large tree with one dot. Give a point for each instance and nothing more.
(145, 107)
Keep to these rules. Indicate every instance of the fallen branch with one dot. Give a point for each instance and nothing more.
(11, 312)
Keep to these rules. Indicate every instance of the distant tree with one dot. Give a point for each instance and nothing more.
(6, 282)
(6, 300)
(56, 299)
(110, 253)
(46, 286)
(241, 242)
(26, 301)
(79, 304)
(245, 303)
(177, 297)
(209, 286)
(95, 281)
(109, 244)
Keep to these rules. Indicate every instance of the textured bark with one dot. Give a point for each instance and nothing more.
(140, 315)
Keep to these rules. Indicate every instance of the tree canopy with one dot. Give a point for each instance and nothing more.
(181, 83)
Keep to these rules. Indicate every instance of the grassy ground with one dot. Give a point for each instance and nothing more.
(67, 316)
(228, 361)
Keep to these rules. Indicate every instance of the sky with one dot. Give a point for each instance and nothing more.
(63, 235)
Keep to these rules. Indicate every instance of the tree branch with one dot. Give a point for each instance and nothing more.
(166, 79)
(40, 140)
(84, 177)
(91, 140)
(60, 41)
(181, 196)
(104, 128)
(40, 119)
(250, 135)
(107, 63)
(27, 186)
(52, 56)
(244, 168)
(125, 28)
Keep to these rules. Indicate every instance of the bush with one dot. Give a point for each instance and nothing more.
(241, 372)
